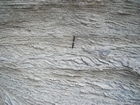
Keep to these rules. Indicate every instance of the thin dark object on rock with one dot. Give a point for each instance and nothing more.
(73, 45)
(73, 41)
(73, 38)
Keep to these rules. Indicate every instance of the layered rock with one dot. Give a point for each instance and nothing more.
(38, 65)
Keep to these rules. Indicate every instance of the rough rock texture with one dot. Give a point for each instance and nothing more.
(39, 67)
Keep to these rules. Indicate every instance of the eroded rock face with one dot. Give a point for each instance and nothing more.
(39, 67)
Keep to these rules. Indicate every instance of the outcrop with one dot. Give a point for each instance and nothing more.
(38, 65)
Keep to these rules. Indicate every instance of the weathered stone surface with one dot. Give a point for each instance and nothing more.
(39, 67)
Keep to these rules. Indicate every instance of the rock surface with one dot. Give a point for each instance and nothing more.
(39, 67)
